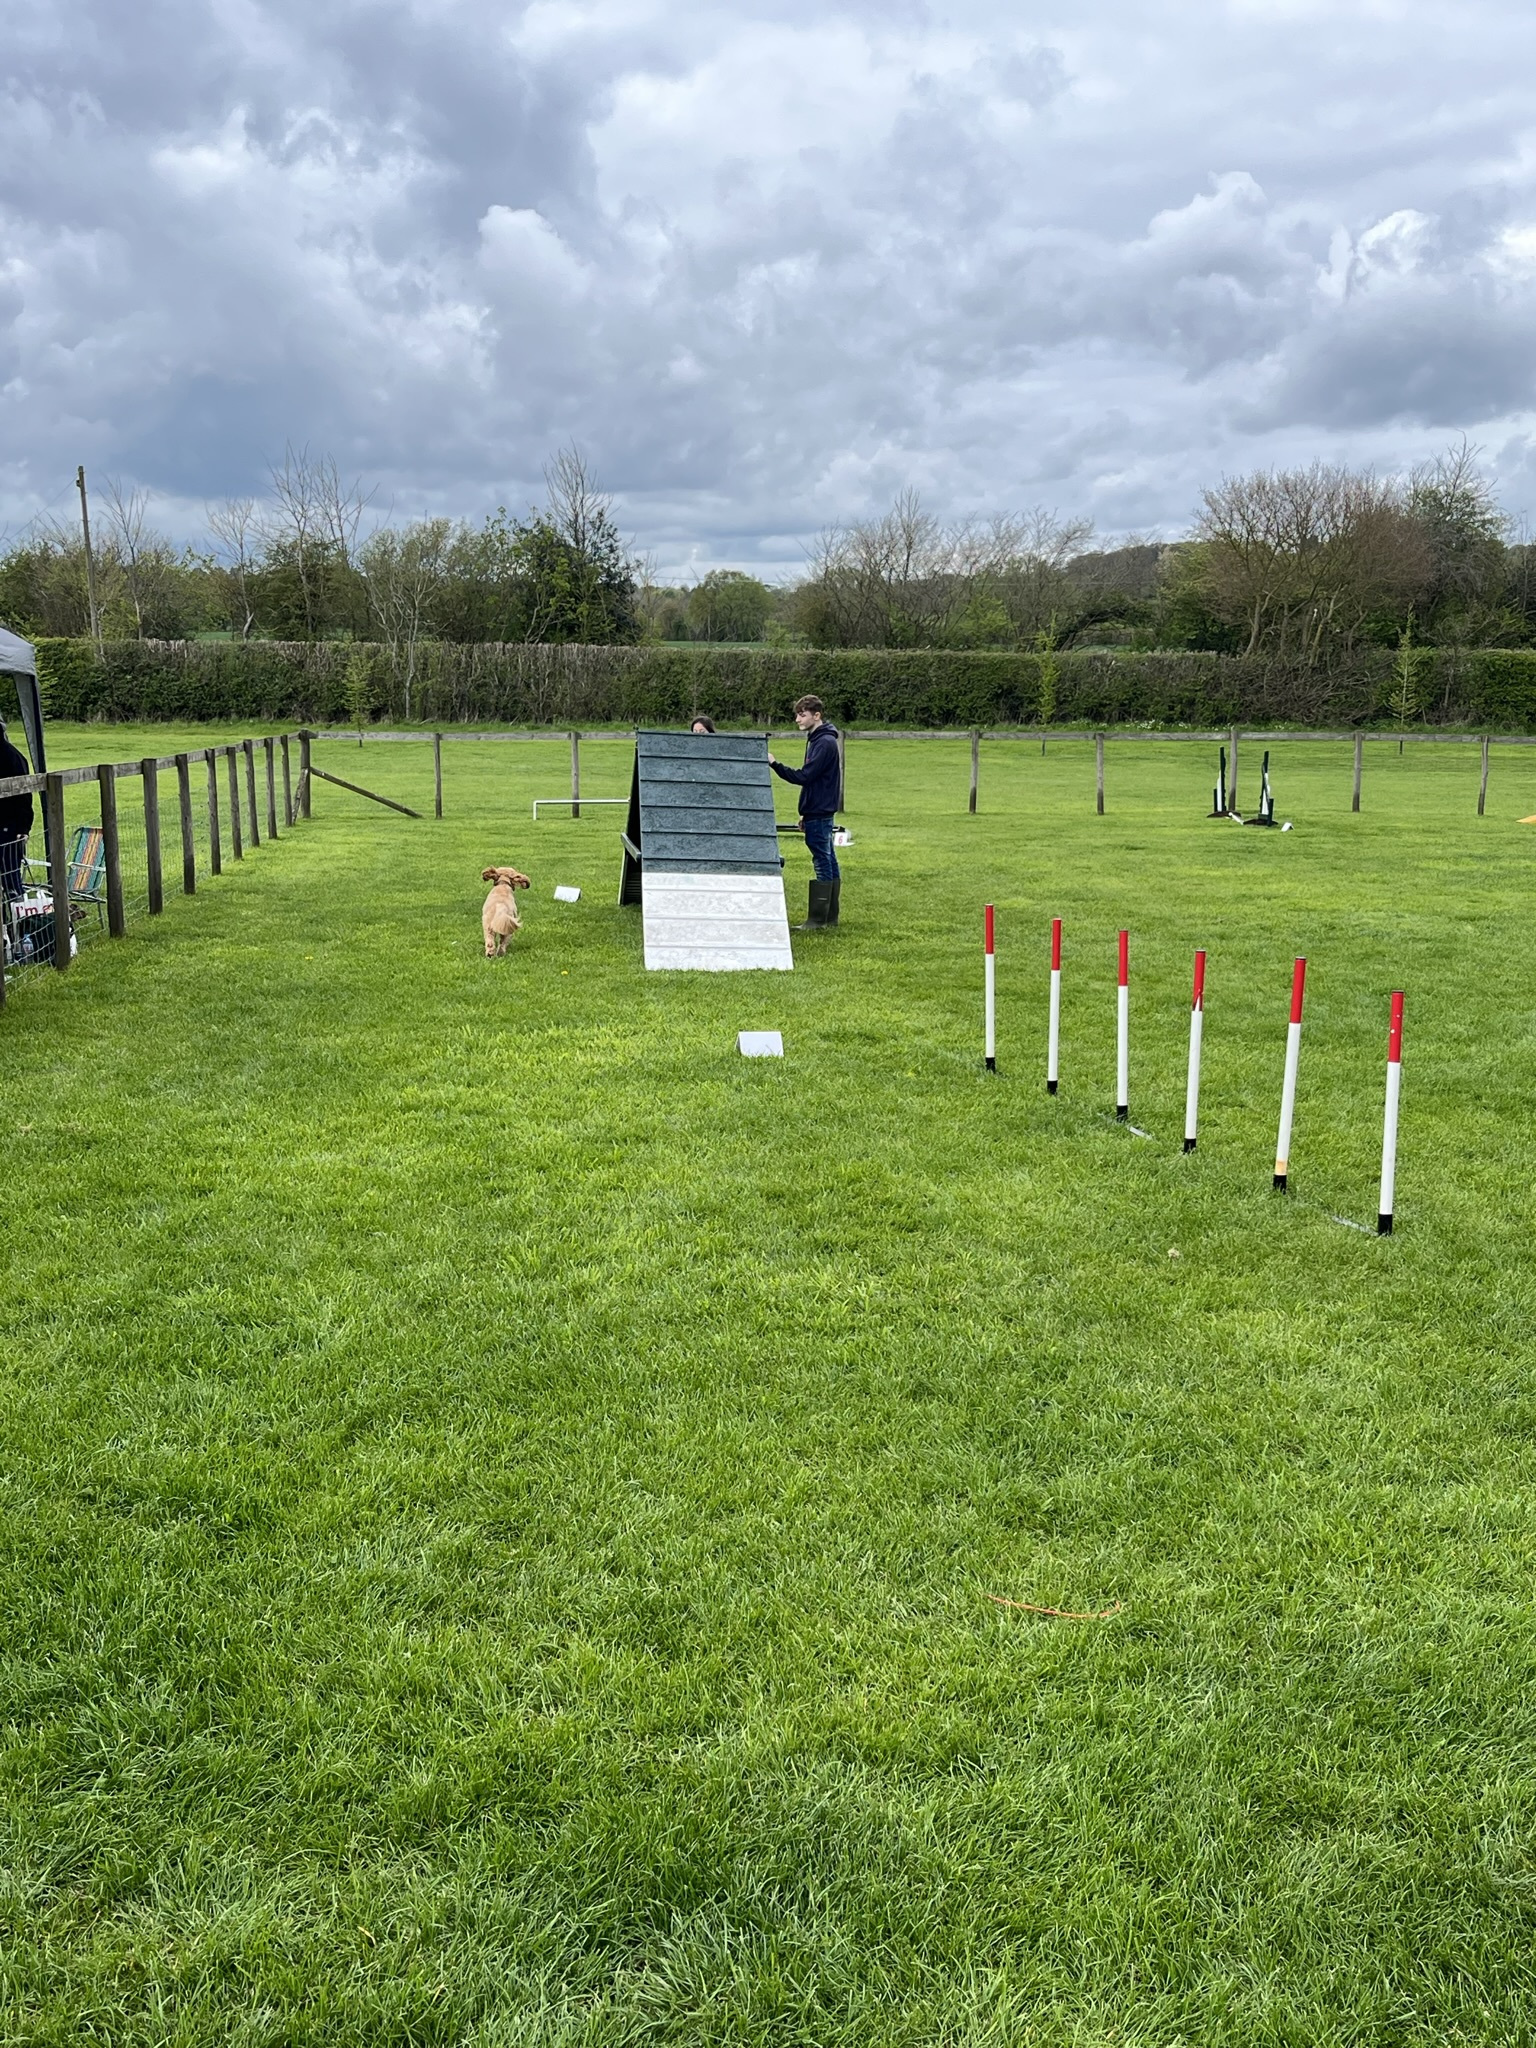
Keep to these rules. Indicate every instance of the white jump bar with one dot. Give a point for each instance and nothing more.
(574, 801)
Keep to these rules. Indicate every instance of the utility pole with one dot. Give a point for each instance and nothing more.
(90, 561)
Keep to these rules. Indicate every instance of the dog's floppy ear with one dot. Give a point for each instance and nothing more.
(518, 881)
(487, 874)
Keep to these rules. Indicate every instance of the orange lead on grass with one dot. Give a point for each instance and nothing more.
(1055, 1613)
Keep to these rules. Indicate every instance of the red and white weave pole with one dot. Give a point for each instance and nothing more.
(1389, 1129)
(991, 995)
(1053, 1044)
(1292, 1060)
(1123, 1035)
(1196, 1033)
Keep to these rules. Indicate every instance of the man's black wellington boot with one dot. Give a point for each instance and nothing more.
(821, 903)
(832, 907)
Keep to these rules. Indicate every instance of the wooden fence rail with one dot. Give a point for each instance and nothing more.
(1231, 736)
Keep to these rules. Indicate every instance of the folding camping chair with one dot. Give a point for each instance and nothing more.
(87, 870)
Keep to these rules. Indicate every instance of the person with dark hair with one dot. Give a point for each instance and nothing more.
(703, 724)
(16, 815)
(820, 780)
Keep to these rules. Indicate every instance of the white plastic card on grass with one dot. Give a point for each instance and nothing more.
(565, 894)
(761, 1045)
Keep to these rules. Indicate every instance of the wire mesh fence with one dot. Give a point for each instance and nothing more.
(110, 844)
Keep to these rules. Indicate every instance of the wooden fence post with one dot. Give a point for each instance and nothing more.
(975, 767)
(215, 852)
(1482, 787)
(111, 846)
(575, 774)
(149, 774)
(188, 836)
(58, 867)
(304, 739)
(1354, 802)
(248, 748)
(1232, 770)
(236, 839)
(270, 750)
(437, 774)
(287, 786)
(1098, 763)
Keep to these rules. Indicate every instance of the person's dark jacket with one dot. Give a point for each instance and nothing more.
(15, 811)
(821, 779)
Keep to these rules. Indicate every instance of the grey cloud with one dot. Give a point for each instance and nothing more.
(765, 264)
(1444, 362)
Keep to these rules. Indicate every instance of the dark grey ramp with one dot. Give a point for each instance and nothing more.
(701, 852)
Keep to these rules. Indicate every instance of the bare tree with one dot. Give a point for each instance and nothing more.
(1301, 558)
(311, 529)
(906, 579)
(578, 510)
(140, 553)
(403, 570)
(235, 529)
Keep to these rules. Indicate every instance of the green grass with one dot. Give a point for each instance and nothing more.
(500, 1495)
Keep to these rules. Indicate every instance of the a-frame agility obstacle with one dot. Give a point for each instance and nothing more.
(701, 853)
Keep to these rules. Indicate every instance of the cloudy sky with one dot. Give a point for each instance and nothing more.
(765, 263)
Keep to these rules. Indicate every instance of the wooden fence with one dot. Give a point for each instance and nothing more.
(226, 797)
(1231, 737)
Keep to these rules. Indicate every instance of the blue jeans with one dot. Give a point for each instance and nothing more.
(11, 852)
(818, 840)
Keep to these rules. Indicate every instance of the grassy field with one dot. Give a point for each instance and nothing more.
(501, 1496)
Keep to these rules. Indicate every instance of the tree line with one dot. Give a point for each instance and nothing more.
(1303, 566)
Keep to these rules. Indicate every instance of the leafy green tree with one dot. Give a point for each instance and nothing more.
(306, 589)
(729, 605)
(1181, 613)
(1454, 505)
(662, 612)
(43, 588)
(480, 596)
(578, 578)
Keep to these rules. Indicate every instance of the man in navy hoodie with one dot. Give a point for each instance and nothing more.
(821, 794)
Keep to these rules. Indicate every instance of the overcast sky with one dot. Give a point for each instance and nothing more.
(765, 263)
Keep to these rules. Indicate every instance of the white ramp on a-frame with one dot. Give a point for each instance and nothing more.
(702, 853)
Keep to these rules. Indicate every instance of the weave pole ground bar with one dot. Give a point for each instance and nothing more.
(1053, 1036)
(991, 986)
(1288, 1086)
(1123, 1034)
(1389, 1125)
(1196, 1034)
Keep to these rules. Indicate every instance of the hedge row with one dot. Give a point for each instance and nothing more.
(521, 685)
